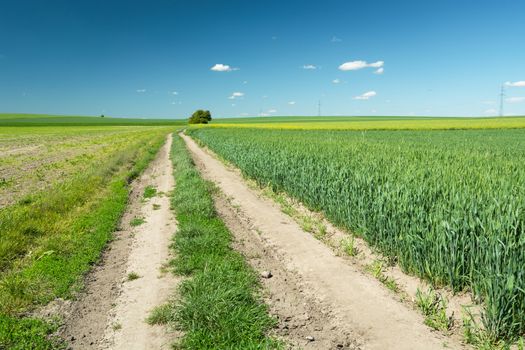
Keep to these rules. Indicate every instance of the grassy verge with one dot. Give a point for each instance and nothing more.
(219, 305)
(59, 235)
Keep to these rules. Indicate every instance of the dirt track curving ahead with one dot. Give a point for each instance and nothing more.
(354, 302)
(111, 313)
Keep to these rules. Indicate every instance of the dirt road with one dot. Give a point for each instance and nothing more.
(356, 301)
(111, 312)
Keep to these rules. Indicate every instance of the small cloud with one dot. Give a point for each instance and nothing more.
(245, 82)
(516, 83)
(291, 103)
(272, 111)
(263, 114)
(141, 90)
(367, 95)
(488, 102)
(233, 104)
(219, 67)
(379, 71)
(244, 114)
(515, 99)
(336, 81)
(309, 66)
(265, 96)
(236, 95)
(356, 65)
(174, 93)
(491, 111)
(335, 39)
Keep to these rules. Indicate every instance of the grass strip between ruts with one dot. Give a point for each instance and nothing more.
(219, 305)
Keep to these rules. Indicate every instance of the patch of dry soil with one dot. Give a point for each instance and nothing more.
(355, 303)
(299, 315)
(111, 312)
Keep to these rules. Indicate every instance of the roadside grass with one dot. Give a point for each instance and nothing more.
(219, 304)
(434, 308)
(149, 192)
(376, 268)
(137, 221)
(50, 240)
(349, 247)
(132, 276)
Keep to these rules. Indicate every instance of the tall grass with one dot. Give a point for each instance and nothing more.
(449, 206)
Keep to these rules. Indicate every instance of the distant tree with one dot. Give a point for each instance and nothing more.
(200, 117)
(102, 116)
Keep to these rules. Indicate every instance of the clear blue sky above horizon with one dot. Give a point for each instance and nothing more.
(154, 58)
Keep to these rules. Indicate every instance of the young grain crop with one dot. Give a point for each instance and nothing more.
(447, 205)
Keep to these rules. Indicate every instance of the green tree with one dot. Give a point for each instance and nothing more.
(200, 117)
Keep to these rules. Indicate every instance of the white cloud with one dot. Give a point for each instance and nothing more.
(516, 83)
(377, 64)
(263, 115)
(491, 111)
(233, 104)
(174, 93)
(236, 95)
(141, 90)
(356, 65)
(489, 102)
(367, 95)
(245, 82)
(219, 67)
(291, 103)
(336, 81)
(309, 66)
(272, 111)
(379, 70)
(335, 39)
(515, 99)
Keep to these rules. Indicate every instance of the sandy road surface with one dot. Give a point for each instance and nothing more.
(112, 311)
(358, 302)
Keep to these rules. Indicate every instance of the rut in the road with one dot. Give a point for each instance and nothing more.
(111, 313)
(358, 302)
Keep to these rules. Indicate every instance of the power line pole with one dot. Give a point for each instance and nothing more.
(319, 108)
(501, 98)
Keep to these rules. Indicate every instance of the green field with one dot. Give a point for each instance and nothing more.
(62, 193)
(446, 205)
(371, 123)
(14, 119)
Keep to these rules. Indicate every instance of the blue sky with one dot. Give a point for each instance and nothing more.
(154, 58)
